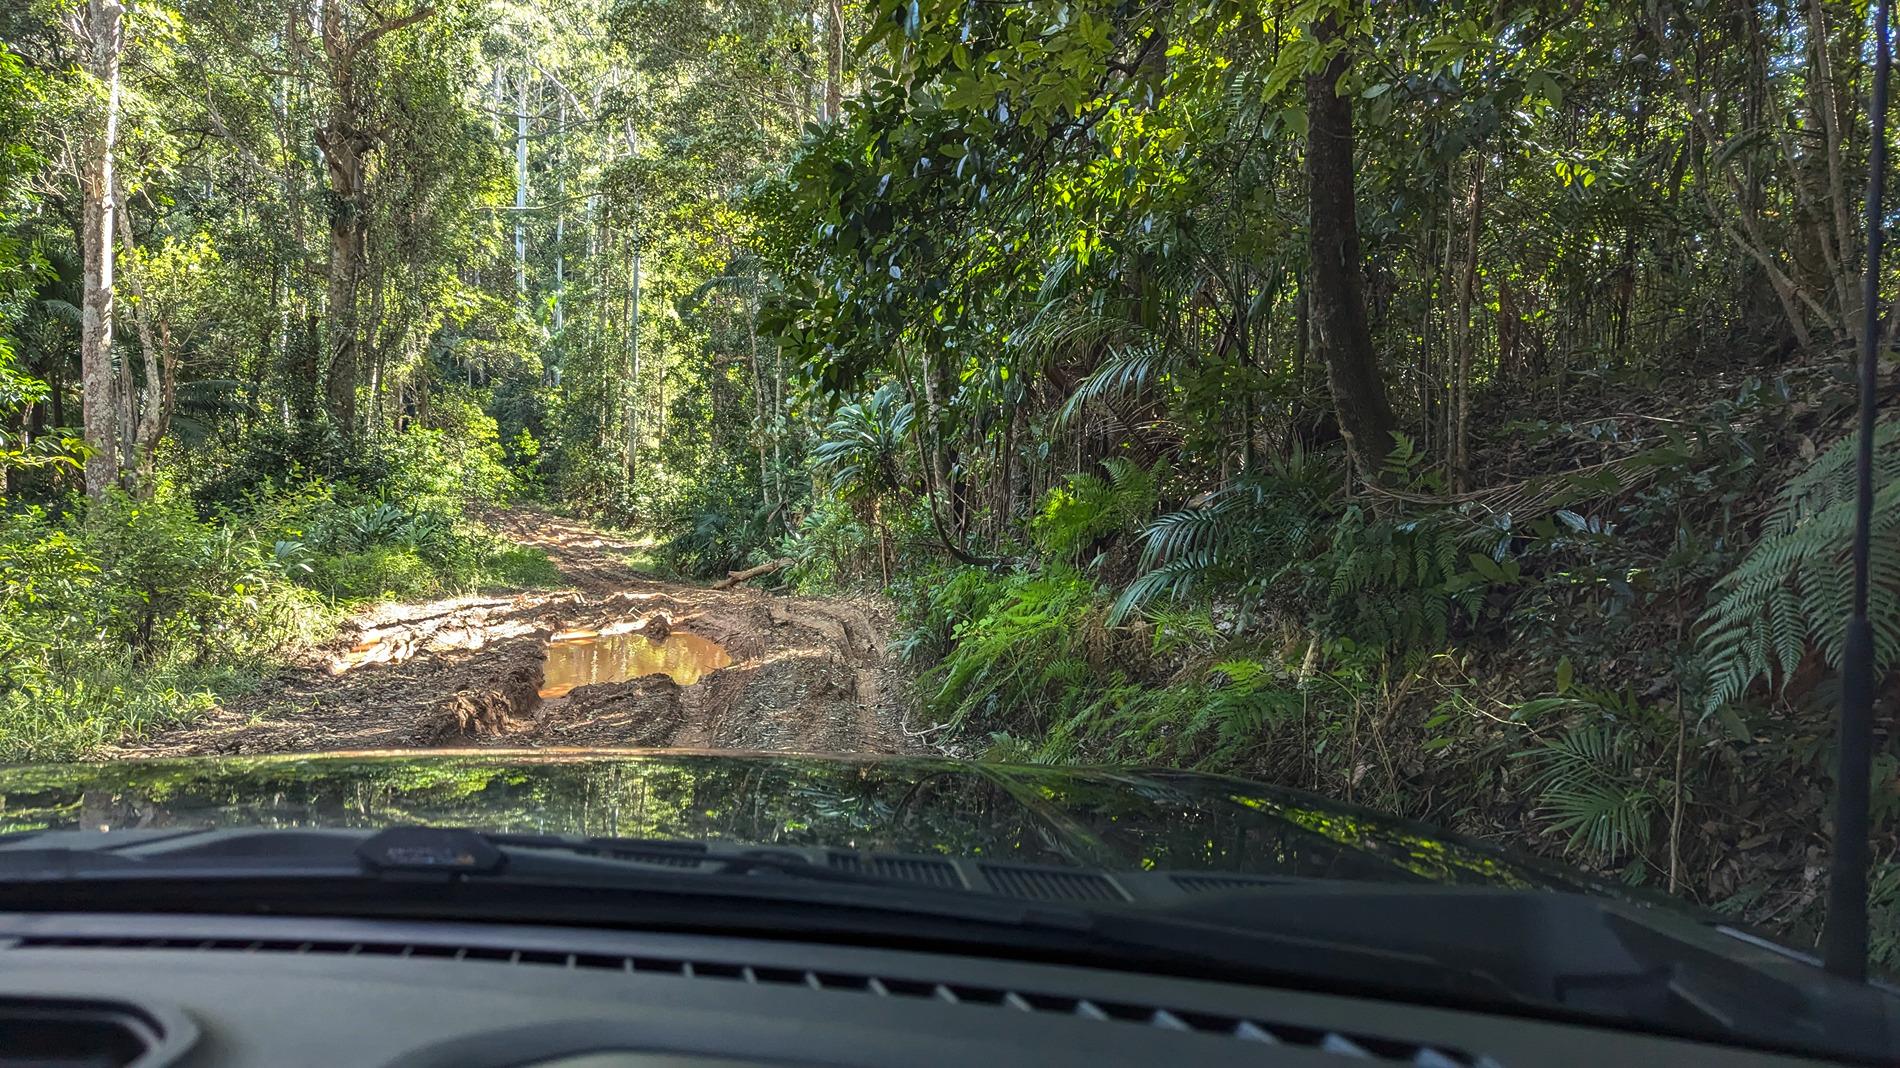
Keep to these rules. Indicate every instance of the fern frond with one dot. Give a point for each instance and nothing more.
(1791, 592)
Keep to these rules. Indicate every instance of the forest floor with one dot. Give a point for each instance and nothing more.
(804, 674)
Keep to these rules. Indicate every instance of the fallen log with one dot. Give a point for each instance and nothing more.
(733, 578)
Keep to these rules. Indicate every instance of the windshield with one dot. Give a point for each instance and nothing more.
(1405, 444)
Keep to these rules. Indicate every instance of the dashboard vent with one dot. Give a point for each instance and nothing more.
(1265, 1032)
(905, 869)
(1195, 883)
(672, 858)
(1042, 884)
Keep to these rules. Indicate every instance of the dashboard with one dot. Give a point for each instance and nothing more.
(198, 991)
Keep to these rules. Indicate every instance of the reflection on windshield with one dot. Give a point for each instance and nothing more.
(1161, 821)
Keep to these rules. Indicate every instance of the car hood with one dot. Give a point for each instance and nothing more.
(1114, 818)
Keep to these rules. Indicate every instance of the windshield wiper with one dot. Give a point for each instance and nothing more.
(671, 852)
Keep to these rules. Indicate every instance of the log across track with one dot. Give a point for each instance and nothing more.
(734, 668)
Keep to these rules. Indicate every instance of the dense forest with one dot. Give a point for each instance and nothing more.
(1440, 406)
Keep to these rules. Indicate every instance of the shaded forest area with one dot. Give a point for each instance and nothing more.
(1439, 406)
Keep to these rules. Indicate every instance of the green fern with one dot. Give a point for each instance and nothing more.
(1793, 590)
(1127, 370)
(1587, 786)
(1087, 507)
(1282, 534)
(1243, 536)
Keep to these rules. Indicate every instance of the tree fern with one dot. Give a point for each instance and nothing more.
(1792, 592)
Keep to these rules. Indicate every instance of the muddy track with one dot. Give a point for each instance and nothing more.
(805, 674)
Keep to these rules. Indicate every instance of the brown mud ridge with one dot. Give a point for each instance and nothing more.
(804, 674)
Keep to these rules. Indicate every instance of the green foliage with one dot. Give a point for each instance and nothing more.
(132, 618)
(1030, 656)
(387, 572)
(862, 443)
(1025, 644)
(1395, 583)
(1883, 919)
(139, 613)
(1588, 785)
(1281, 537)
(519, 567)
(834, 549)
(715, 537)
(1089, 508)
(1242, 537)
(1793, 590)
(167, 575)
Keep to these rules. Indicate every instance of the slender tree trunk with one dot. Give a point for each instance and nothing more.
(560, 215)
(761, 416)
(1467, 283)
(633, 312)
(633, 349)
(123, 417)
(521, 187)
(1341, 335)
(1301, 338)
(834, 60)
(778, 409)
(343, 160)
(1832, 118)
(147, 417)
(100, 28)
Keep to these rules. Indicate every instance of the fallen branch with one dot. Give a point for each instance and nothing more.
(733, 578)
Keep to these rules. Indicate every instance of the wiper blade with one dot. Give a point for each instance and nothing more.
(680, 853)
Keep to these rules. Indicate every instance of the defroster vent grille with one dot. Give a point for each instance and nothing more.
(1356, 1045)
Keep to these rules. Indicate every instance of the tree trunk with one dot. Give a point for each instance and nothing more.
(1341, 335)
(1460, 441)
(521, 187)
(347, 141)
(834, 60)
(147, 419)
(733, 578)
(343, 150)
(560, 215)
(100, 29)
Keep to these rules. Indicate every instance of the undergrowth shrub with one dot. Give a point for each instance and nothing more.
(1031, 659)
(1282, 543)
(131, 618)
(125, 615)
(456, 461)
(834, 549)
(715, 536)
(1079, 518)
(394, 572)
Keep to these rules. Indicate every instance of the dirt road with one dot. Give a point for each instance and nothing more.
(801, 674)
